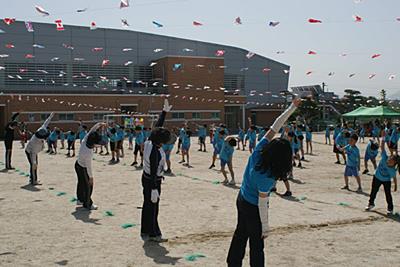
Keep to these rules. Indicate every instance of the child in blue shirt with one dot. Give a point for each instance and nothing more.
(226, 159)
(240, 138)
(385, 172)
(308, 140)
(328, 135)
(352, 163)
(62, 138)
(300, 137)
(218, 141)
(71, 137)
(362, 133)
(202, 132)
(270, 161)
(130, 138)
(393, 140)
(251, 136)
(339, 143)
(82, 132)
(104, 142)
(139, 145)
(112, 135)
(261, 133)
(168, 149)
(185, 147)
(370, 154)
(53, 137)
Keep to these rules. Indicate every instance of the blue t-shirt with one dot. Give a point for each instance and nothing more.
(167, 147)
(308, 135)
(120, 135)
(362, 132)
(82, 134)
(375, 131)
(295, 145)
(226, 152)
(299, 133)
(336, 132)
(186, 141)
(113, 137)
(261, 134)
(394, 138)
(53, 136)
(387, 134)
(71, 137)
(341, 140)
(182, 133)
(383, 172)
(251, 136)
(202, 132)
(369, 153)
(241, 134)
(139, 138)
(254, 180)
(353, 156)
(327, 132)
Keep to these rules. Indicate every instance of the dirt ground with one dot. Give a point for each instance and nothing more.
(320, 225)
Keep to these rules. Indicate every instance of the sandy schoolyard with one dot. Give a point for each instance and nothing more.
(320, 225)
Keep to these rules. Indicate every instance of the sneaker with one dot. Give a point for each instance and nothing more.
(117, 161)
(157, 239)
(359, 190)
(346, 187)
(287, 194)
(370, 207)
(299, 165)
(79, 203)
(182, 161)
(107, 154)
(134, 163)
(337, 162)
(302, 158)
(199, 150)
(225, 181)
(93, 207)
(389, 212)
(204, 150)
(141, 165)
(232, 182)
(273, 189)
(365, 171)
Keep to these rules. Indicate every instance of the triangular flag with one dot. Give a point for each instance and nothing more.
(93, 25)
(42, 11)
(238, 21)
(312, 52)
(250, 54)
(309, 72)
(60, 26)
(352, 75)
(314, 21)
(159, 25)
(274, 23)
(196, 23)
(220, 53)
(371, 76)
(9, 21)
(375, 55)
(357, 18)
(105, 62)
(29, 26)
(392, 77)
(125, 23)
(266, 70)
(124, 3)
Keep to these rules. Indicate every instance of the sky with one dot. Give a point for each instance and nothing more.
(379, 33)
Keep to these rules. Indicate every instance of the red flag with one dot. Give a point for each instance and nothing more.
(375, 55)
(93, 25)
(60, 26)
(10, 46)
(266, 70)
(97, 49)
(312, 52)
(196, 23)
(105, 62)
(220, 53)
(28, 56)
(9, 21)
(314, 21)
(357, 18)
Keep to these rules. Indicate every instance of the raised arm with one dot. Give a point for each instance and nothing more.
(14, 117)
(167, 107)
(96, 126)
(280, 121)
(47, 121)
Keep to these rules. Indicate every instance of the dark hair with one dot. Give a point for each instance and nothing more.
(84, 127)
(347, 135)
(122, 127)
(113, 131)
(72, 133)
(291, 134)
(276, 159)
(160, 136)
(232, 142)
(42, 134)
(253, 127)
(205, 125)
(138, 128)
(354, 136)
(189, 133)
(93, 138)
(222, 132)
(374, 146)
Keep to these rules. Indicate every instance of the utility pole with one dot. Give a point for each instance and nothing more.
(323, 101)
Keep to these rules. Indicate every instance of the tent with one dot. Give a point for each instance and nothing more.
(379, 111)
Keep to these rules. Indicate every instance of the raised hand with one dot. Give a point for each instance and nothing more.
(167, 107)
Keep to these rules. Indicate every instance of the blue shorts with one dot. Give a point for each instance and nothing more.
(224, 162)
(185, 147)
(217, 150)
(308, 140)
(351, 171)
(252, 144)
(368, 157)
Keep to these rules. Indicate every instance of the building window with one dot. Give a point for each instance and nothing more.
(44, 116)
(196, 115)
(66, 116)
(178, 115)
(98, 116)
(215, 115)
(31, 117)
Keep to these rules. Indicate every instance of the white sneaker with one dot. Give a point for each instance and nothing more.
(370, 207)
(93, 207)
(390, 212)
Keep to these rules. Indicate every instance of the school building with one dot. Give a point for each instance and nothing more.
(84, 74)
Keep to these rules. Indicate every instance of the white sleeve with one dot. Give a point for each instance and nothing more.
(47, 121)
(280, 121)
(263, 206)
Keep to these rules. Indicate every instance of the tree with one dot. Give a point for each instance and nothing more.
(309, 110)
(383, 97)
